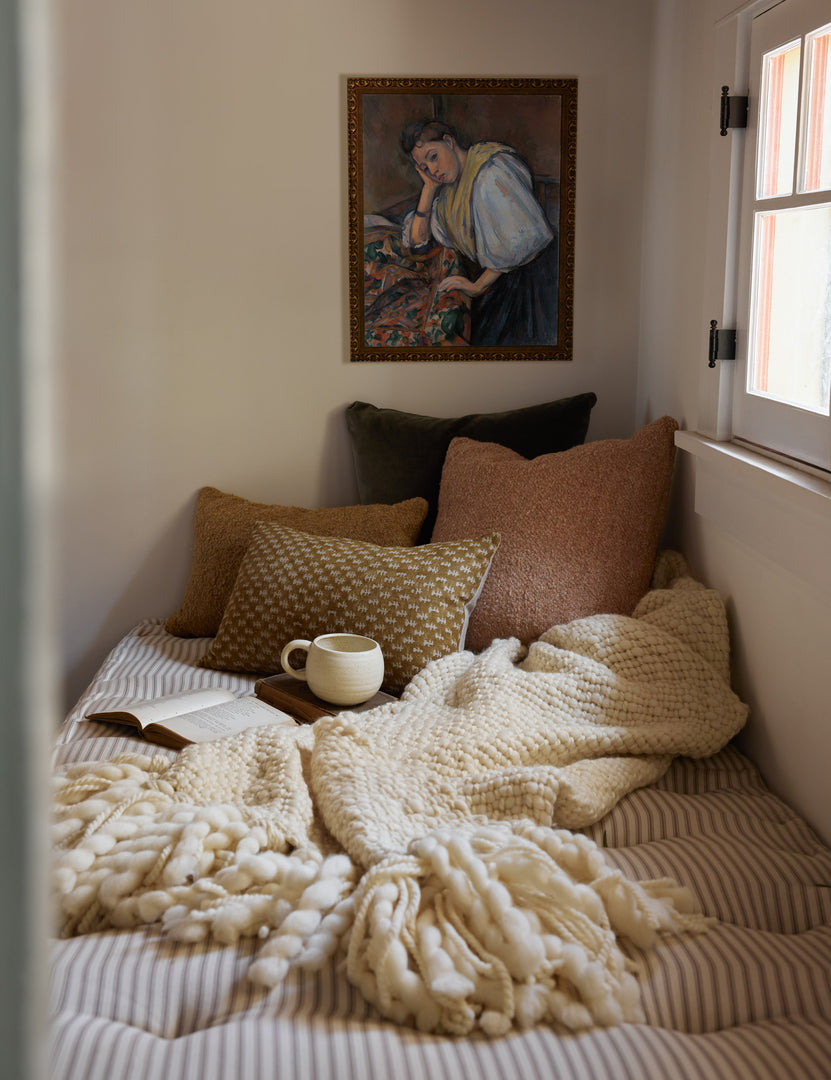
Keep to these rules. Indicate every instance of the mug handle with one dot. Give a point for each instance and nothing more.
(298, 643)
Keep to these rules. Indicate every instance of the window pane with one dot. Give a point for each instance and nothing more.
(780, 97)
(817, 165)
(791, 347)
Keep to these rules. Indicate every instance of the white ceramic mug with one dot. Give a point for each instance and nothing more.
(343, 669)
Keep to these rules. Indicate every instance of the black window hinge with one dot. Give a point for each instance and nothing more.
(722, 344)
(733, 111)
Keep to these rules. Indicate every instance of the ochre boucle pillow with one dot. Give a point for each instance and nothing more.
(415, 602)
(579, 528)
(222, 528)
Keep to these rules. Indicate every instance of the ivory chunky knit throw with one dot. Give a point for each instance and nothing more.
(426, 840)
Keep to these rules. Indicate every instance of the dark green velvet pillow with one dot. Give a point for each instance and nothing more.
(399, 455)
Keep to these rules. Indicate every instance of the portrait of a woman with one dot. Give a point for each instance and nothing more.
(479, 200)
(461, 218)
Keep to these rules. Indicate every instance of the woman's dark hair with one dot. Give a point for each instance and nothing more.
(422, 131)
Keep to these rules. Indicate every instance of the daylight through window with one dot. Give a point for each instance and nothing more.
(788, 228)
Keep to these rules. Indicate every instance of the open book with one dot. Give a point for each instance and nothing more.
(194, 716)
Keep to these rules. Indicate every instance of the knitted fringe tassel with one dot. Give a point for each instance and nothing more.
(488, 926)
(128, 854)
(505, 927)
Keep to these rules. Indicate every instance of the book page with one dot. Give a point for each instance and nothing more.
(227, 719)
(158, 710)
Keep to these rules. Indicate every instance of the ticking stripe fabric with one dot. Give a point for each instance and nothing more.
(749, 1000)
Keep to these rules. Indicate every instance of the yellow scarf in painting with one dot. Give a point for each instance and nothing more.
(452, 205)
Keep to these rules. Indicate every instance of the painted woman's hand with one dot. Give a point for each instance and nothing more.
(430, 185)
(459, 284)
(466, 286)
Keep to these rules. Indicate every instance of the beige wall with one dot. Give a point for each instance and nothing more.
(203, 259)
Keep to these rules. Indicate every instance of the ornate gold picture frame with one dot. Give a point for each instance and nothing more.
(461, 218)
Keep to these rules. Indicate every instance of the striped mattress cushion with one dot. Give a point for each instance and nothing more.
(749, 999)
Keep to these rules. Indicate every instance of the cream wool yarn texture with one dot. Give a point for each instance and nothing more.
(428, 840)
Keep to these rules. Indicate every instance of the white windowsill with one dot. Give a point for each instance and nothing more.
(767, 471)
(778, 510)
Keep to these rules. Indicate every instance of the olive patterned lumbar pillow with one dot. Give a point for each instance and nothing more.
(415, 602)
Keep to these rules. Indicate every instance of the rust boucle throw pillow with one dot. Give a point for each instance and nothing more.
(579, 528)
(222, 530)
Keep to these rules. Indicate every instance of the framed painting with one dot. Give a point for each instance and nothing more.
(461, 218)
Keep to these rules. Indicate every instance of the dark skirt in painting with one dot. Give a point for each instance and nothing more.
(520, 308)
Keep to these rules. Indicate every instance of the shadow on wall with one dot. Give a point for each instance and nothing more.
(336, 481)
(155, 589)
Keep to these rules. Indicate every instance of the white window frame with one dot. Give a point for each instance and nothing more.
(758, 420)
(775, 507)
(723, 301)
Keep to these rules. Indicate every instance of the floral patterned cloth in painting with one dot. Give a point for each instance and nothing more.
(401, 304)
